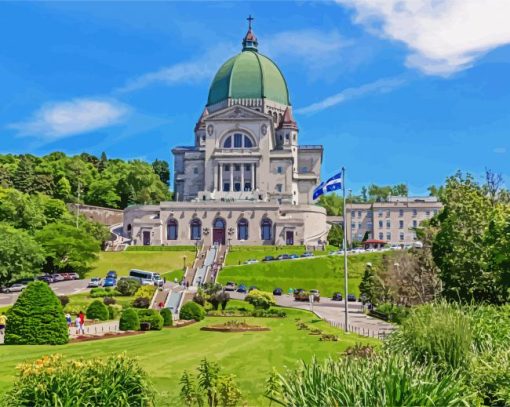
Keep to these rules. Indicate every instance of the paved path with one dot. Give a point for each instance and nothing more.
(333, 312)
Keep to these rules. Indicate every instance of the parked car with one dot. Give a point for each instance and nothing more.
(242, 289)
(94, 282)
(46, 279)
(307, 254)
(251, 261)
(277, 291)
(283, 257)
(15, 288)
(337, 297)
(351, 297)
(316, 294)
(109, 282)
(57, 277)
(268, 258)
(293, 256)
(395, 247)
(230, 286)
(111, 274)
(66, 276)
(252, 287)
(303, 295)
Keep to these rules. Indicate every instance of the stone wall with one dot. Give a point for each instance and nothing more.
(106, 216)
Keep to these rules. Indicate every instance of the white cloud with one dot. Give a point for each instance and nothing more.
(444, 36)
(379, 86)
(59, 120)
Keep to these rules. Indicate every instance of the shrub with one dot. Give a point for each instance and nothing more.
(166, 314)
(393, 312)
(129, 320)
(114, 311)
(103, 292)
(269, 313)
(191, 310)
(146, 291)
(260, 299)
(37, 318)
(199, 297)
(109, 301)
(97, 310)
(128, 286)
(152, 317)
(386, 380)
(103, 381)
(64, 300)
(141, 302)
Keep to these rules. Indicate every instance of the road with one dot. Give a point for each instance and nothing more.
(61, 288)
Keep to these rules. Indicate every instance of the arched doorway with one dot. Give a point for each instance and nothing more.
(219, 231)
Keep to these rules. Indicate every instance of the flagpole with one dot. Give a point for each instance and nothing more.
(346, 278)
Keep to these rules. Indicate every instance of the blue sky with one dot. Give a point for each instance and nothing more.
(396, 90)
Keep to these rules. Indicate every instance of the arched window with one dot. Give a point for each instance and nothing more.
(247, 142)
(129, 229)
(238, 140)
(266, 228)
(228, 142)
(219, 223)
(171, 229)
(196, 229)
(242, 229)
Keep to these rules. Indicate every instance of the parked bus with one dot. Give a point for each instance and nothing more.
(146, 277)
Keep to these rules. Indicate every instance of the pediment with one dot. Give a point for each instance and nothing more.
(238, 113)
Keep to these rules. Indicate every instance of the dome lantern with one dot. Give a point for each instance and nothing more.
(250, 40)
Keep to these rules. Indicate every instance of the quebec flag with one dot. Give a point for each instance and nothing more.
(332, 184)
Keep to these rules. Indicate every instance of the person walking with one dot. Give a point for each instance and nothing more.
(69, 320)
(3, 323)
(81, 315)
(77, 324)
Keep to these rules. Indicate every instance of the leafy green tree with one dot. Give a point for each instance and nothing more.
(129, 320)
(102, 193)
(162, 170)
(23, 178)
(97, 310)
(336, 236)
(67, 248)
(208, 374)
(260, 299)
(37, 318)
(371, 285)
(63, 189)
(20, 255)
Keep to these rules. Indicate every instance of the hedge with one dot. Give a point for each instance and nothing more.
(37, 318)
(129, 320)
(128, 286)
(97, 310)
(146, 291)
(192, 310)
(152, 317)
(161, 248)
(114, 311)
(167, 317)
(104, 292)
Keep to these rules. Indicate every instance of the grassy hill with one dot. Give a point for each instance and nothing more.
(167, 353)
(239, 254)
(323, 273)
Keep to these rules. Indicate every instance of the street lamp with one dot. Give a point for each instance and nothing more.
(184, 262)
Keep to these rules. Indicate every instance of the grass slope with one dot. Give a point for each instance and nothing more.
(166, 354)
(238, 254)
(158, 261)
(322, 273)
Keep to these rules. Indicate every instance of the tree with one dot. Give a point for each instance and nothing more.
(102, 193)
(371, 286)
(23, 178)
(336, 236)
(162, 170)
(37, 318)
(192, 310)
(97, 310)
(129, 320)
(20, 255)
(67, 248)
(260, 299)
(128, 286)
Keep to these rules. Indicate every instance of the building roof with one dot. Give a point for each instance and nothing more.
(249, 75)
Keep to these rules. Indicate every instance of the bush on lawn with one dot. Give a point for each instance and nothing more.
(129, 320)
(166, 314)
(64, 300)
(103, 381)
(260, 299)
(97, 310)
(103, 292)
(109, 301)
(269, 313)
(191, 310)
(151, 316)
(141, 302)
(37, 318)
(114, 311)
(128, 286)
(146, 291)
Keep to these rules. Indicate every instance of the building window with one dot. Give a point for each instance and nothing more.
(380, 214)
(247, 186)
(242, 229)
(279, 187)
(247, 142)
(381, 235)
(228, 143)
(237, 167)
(353, 213)
(226, 167)
(287, 136)
(401, 224)
(388, 224)
(247, 167)
(240, 141)
(219, 223)
(401, 212)
(359, 214)
(196, 229)
(226, 186)
(388, 236)
(415, 223)
(370, 214)
(360, 236)
(353, 225)
(435, 211)
(380, 223)
(387, 213)
(171, 230)
(401, 236)
(279, 170)
(427, 213)
(415, 212)
(237, 186)
(195, 170)
(266, 229)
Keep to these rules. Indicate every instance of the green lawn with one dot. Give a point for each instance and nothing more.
(165, 354)
(159, 261)
(238, 254)
(318, 273)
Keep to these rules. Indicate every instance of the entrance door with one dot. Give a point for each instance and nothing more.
(146, 238)
(219, 231)
(289, 238)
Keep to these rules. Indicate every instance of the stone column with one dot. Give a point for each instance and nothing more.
(231, 177)
(242, 177)
(221, 177)
(215, 178)
(252, 171)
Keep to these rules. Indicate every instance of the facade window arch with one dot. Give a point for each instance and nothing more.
(238, 140)
(129, 229)
(172, 228)
(242, 229)
(196, 229)
(219, 223)
(266, 229)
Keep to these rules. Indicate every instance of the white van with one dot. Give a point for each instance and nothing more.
(146, 277)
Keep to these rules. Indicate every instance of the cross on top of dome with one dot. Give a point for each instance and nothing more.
(250, 42)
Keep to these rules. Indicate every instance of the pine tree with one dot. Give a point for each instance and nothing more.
(23, 179)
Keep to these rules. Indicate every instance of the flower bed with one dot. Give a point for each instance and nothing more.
(234, 326)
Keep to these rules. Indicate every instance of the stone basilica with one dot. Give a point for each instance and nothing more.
(246, 180)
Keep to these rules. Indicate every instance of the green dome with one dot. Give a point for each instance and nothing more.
(249, 75)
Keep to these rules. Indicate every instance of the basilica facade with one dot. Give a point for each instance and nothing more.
(245, 180)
